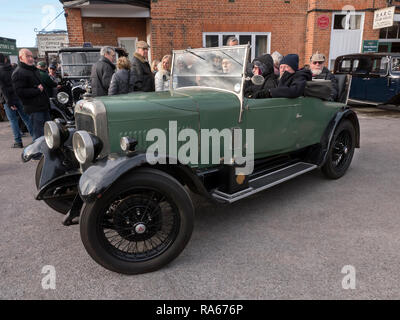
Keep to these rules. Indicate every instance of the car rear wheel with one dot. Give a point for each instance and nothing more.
(62, 205)
(341, 151)
(140, 224)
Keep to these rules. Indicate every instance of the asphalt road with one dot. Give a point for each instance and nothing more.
(290, 242)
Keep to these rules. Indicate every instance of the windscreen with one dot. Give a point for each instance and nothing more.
(220, 68)
(78, 64)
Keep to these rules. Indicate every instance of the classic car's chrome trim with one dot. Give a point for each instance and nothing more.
(213, 48)
(230, 198)
(363, 102)
(350, 79)
(241, 98)
(241, 92)
(207, 88)
(97, 111)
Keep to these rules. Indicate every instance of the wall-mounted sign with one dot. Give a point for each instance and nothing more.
(51, 42)
(384, 18)
(370, 46)
(323, 21)
(8, 47)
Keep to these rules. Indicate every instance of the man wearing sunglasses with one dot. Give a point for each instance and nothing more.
(320, 71)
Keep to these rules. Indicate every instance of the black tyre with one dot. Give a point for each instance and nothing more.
(341, 151)
(62, 205)
(140, 224)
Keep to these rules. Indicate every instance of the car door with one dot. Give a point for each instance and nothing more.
(380, 87)
(360, 78)
(274, 124)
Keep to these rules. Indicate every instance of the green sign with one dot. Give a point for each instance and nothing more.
(370, 45)
(8, 47)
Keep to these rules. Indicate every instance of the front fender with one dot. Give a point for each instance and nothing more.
(52, 188)
(101, 175)
(326, 140)
(34, 150)
(57, 163)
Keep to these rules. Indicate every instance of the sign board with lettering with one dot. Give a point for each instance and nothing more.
(323, 21)
(8, 47)
(384, 18)
(370, 46)
(51, 42)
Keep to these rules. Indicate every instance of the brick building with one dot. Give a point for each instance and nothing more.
(288, 26)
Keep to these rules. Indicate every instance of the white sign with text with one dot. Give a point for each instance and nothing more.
(384, 18)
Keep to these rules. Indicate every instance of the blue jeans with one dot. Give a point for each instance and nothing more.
(38, 120)
(12, 116)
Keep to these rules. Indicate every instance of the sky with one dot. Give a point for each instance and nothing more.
(19, 18)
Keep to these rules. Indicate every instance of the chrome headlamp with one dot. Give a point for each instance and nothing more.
(63, 97)
(52, 135)
(86, 146)
(128, 144)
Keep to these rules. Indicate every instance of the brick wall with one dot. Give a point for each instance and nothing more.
(81, 29)
(180, 23)
(75, 28)
(177, 24)
(111, 29)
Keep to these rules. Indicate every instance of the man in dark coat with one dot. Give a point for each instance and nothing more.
(263, 66)
(102, 72)
(30, 90)
(48, 83)
(141, 68)
(319, 71)
(292, 81)
(11, 103)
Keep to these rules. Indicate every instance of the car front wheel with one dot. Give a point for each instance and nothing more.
(341, 151)
(140, 224)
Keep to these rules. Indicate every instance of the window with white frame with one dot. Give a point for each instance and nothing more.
(260, 42)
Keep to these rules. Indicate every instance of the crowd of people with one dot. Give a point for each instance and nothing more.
(129, 76)
(25, 89)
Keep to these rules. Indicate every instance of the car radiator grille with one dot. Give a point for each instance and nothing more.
(84, 122)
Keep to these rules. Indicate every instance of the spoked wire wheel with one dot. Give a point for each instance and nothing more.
(140, 224)
(341, 151)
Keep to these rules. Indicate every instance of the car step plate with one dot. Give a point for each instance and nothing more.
(266, 181)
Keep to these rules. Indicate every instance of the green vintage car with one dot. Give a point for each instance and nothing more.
(125, 169)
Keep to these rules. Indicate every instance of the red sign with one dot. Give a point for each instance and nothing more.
(323, 21)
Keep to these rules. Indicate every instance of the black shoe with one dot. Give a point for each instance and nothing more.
(18, 145)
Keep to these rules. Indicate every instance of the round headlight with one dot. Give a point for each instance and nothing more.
(63, 97)
(128, 144)
(83, 147)
(52, 135)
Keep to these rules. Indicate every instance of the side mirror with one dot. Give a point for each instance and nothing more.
(257, 80)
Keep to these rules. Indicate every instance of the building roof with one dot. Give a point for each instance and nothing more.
(140, 3)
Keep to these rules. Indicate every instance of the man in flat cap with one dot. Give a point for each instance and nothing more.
(141, 68)
(320, 71)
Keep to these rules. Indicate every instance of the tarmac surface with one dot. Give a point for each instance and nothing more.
(289, 242)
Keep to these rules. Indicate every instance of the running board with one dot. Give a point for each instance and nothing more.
(266, 181)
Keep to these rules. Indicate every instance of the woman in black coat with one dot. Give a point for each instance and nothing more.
(264, 66)
(123, 81)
